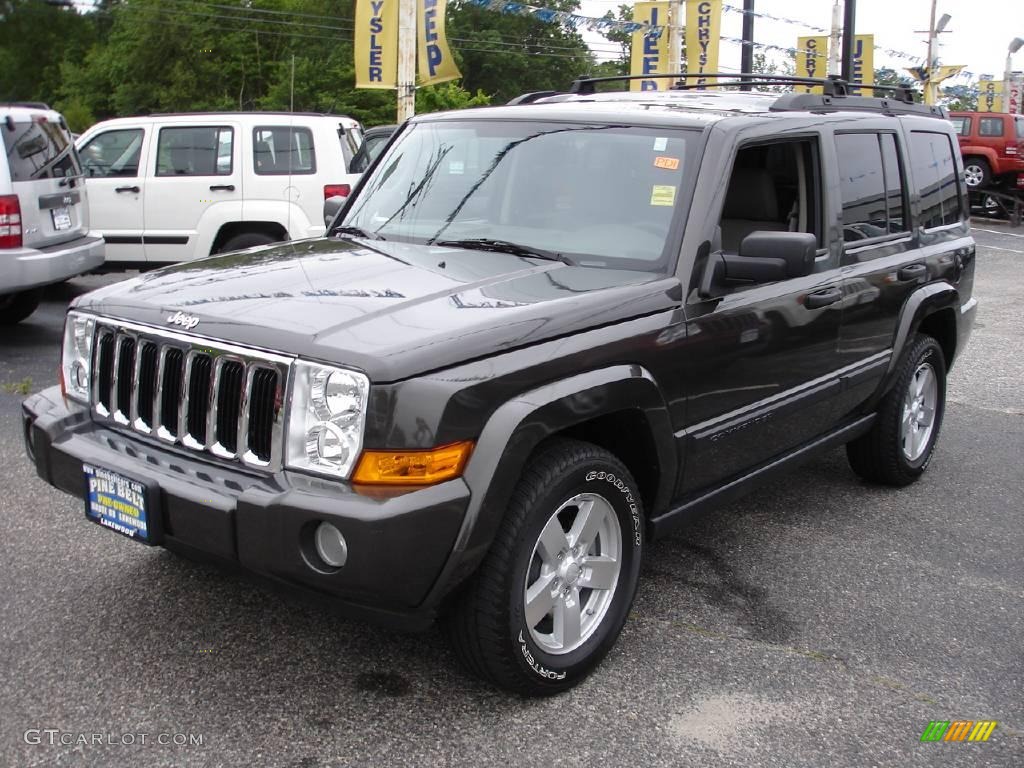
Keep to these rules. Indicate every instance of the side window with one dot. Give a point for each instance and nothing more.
(199, 151)
(113, 153)
(990, 126)
(1019, 122)
(774, 187)
(870, 185)
(931, 155)
(282, 150)
(962, 125)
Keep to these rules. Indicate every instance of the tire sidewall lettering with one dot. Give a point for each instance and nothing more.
(627, 496)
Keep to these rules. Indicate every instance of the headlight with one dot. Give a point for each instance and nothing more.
(326, 419)
(76, 359)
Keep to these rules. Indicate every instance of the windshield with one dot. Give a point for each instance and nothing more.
(39, 149)
(603, 195)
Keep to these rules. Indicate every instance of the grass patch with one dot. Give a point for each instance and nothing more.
(23, 387)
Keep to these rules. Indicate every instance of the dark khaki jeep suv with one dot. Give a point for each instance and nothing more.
(535, 337)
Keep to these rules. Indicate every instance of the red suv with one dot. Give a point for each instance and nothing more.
(992, 144)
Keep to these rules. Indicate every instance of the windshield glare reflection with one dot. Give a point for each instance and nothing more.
(603, 195)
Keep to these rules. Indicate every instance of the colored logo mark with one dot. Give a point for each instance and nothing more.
(958, 730)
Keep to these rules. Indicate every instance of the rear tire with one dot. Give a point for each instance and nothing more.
(15, 307)
(554, 591)
(977, 173)
(247, 240)
(900, 444)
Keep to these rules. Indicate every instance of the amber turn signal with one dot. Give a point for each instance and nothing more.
(412, 467)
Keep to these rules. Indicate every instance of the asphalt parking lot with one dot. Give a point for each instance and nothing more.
(820, 622)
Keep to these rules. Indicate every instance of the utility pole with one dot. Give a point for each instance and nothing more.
(406, 59)
(849, 27)
(836, 39)
(747, 51)
(675, 38)
(1008, 80)
(929, 85)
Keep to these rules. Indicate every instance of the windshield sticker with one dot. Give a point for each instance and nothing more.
(456, 168)
(660, 143)
(663, 194)
(668, 163)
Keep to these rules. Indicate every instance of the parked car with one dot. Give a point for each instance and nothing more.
(374, 141)
(536, 337)
(992, 145)
(44, 213)
(170, 188)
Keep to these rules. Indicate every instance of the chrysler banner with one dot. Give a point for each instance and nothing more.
(703, 29)
(650, 53)
(376, 44)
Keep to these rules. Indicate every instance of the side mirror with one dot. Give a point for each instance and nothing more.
(332, 205)
(764, 257)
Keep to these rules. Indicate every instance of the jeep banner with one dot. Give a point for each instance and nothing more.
(863, 61)
(436, 64)
(811, 60)
(703, 29)
(376, 44)
(650, 52)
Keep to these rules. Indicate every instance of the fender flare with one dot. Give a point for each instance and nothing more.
(518, 426)
(987, 154)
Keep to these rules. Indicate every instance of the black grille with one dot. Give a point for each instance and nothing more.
(199, 397)
(168, 385)
(105, 366)
(125, 371)
(148, 362)
(174, 375)
(262, 407)
(229, 404)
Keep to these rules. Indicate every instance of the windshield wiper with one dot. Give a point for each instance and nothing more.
(506, 246)
(358, 232)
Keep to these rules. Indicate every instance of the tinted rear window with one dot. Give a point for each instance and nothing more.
(990, 126)
(936, 176)
(38, 149)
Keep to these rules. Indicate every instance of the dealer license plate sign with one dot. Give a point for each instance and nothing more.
(118, 503)
(61, 218)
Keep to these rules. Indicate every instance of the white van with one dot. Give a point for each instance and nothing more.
(171, 188)
(44, 213)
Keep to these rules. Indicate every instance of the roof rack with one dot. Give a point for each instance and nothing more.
(25, 104)
(528, 98)
(835, 93)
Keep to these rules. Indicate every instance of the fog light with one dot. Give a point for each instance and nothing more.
(330, 545)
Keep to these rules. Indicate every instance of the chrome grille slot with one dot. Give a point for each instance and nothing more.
(228, 406)
(202, 395)
(173, 376)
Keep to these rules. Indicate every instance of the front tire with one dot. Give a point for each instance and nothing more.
(900, 444)
(553, 593)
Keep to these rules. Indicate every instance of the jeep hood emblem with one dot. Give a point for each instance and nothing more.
(185, 321)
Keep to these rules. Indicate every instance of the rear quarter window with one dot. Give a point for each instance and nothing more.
(932, 158)
(38, 149)
(990, 126)
(280, 150)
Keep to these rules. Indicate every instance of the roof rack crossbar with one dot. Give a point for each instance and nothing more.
(832, 86)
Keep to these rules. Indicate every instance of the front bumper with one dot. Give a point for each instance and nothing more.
(263, 524)
(26, 268)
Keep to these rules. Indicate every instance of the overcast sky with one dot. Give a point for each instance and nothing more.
(980, 32)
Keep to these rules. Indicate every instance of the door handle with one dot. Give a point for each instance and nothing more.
(820, 299)
(222, 188)
(126, 189)
(912, 272)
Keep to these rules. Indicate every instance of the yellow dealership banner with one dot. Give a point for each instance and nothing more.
(703, 31)
(436, 64)
(376, 44)
(863, 60)
(650, 54)
(990, 96)
(811, 60)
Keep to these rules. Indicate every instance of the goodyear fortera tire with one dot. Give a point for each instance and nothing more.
(901, 442)
(554, 591)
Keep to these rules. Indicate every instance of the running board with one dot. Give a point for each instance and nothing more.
(739, 487)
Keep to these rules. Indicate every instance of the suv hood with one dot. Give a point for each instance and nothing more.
(392, 309)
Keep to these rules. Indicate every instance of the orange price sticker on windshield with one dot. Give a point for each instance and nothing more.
(668, 163)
